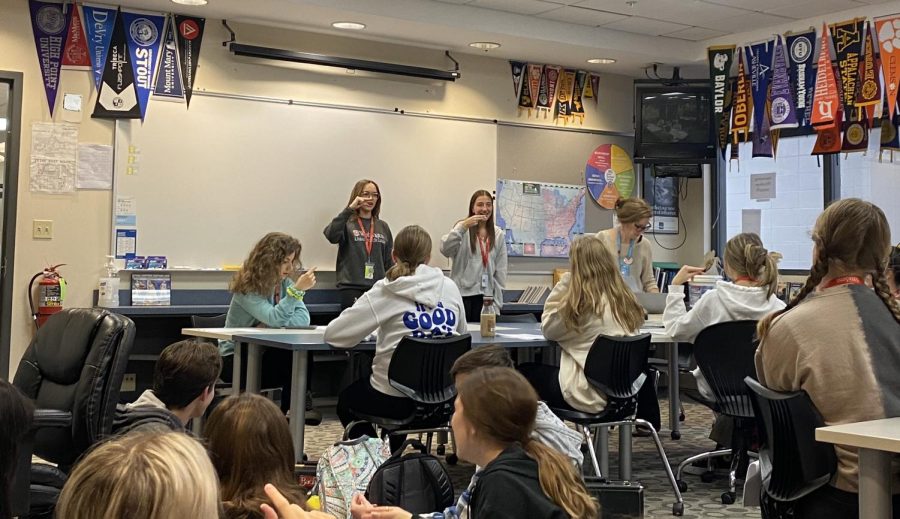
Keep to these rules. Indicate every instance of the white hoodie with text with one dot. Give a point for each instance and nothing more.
(424, 304)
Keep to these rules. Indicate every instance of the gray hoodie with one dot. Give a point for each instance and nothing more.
(424, 304)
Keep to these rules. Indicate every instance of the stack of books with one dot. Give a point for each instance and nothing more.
(534, 295)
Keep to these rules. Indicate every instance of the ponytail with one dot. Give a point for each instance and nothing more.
(816, 275)
(401, 268)
(412, 247)
(746, 256)
(884, 292)
(560, 481)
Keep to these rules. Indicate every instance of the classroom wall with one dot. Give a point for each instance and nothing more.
(82, 220)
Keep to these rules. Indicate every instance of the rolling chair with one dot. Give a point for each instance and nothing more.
(420, 369)
(724, 354)
(208, 321)
(617, 366)
(73, 370)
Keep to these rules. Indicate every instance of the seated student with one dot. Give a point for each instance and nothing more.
(142, 475)
(184, 382)
(750, 295)
(266, 296)
(16, 414)
(494, 418)
(548, 429)
(591, 300)
(413, 299)
(250, 445)
(892, 274)
(841, 344)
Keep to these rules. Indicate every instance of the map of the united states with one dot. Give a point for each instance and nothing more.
(539, 219)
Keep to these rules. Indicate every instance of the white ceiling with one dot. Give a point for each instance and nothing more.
(565, 32)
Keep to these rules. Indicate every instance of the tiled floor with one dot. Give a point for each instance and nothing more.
(701, 499)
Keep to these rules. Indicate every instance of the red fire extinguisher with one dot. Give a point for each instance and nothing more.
(51, 293)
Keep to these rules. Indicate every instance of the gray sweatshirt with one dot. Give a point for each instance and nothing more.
(468, 266)
(351, 261)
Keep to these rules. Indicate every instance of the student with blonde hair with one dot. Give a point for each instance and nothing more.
(839, 340)
(630, 250)
(142, 475)
(413, 299)
(750, 295)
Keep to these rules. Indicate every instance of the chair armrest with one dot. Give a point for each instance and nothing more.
(45, 418)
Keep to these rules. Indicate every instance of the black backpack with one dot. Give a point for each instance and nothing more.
(416, 482)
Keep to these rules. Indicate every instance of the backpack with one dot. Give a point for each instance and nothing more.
(416, 482)
(345, 469)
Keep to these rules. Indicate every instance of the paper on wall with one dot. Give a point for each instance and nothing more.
(94, 166)
(751, 221)
(762, 186)
(126, 206)
(53, 153)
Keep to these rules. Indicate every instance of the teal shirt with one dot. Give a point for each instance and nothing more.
(249, 310)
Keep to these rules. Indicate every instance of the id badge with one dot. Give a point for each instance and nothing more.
(369, 271)
(485, 282)
(625, 270)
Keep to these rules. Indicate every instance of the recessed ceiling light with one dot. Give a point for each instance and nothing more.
(601, 61)
(484, 45)
(190, 2)
(351, 26)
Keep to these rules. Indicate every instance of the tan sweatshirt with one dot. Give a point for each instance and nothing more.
(642, 259)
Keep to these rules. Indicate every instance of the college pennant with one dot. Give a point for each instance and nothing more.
(547, 92)
(825, 98)
(189, 36)
(782, 113)
(720, 59)
(724, 127)
(564, 95)
(890, 137)
(517, 68)
(577, 101)
(759, 59)
(762, 138)
(117, 98)
(868, 81)
(144, 33)
(168, 84)
(743, 104)
(526, 100)
(848, 38)
(49, 25)
(75, 52)
(99, 23)
(888, 29)
(800, 51)
(588, 92)
(595, 86)
(856, 135)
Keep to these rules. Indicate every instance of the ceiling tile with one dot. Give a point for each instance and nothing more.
(809, 9)
(582, 16)
(686, 12)
(695, 34)
(645, 26)
(748, 22)
(756, 5)
(528, 7)
(455, 1)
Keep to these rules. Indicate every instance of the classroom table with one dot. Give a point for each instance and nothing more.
(877, 441)
(303, 341)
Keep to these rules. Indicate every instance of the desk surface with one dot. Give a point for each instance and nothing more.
(882, 435)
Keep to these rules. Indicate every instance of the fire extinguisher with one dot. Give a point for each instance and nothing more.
(51, 293)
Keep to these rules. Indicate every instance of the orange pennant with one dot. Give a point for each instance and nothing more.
(826, 102)
(888, 30)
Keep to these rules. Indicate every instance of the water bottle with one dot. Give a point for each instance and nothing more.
(109, 285)
(488, 318)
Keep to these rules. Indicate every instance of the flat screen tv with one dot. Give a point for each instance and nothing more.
(673, 122)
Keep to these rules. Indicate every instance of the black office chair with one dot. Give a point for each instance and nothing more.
(73, 370)
(724, 354)
(792, 463)
(617, 366)
(420, 369)
(208, 321)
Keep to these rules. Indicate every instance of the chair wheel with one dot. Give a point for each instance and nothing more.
(678, 509)
(708, 476)
(728, 498)
(682, 485)
(681, 417)
(440, 450)
(451, 459)
(676, 435)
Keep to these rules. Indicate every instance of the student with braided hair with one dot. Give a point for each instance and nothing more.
(839, 341)
(893, 272)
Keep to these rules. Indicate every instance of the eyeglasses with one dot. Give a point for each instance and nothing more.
(642, 227)
(369, 195)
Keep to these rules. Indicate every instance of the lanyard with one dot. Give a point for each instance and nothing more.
(845, 280)
(627, 260)
(485, 249)
(368, 236)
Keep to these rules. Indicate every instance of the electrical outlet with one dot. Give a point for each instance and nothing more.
(129, 383)
(42, 229)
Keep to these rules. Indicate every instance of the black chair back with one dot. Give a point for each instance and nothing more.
(208, 321)
(420, 368)
(724, 354)
(794, 464)
(617, 365)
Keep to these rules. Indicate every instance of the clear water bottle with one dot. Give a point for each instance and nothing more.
(109, 285)
(488, 318)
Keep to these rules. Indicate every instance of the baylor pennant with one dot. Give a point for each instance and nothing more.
(720, 59)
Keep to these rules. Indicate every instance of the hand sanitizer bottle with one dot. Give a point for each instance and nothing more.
(109, 285)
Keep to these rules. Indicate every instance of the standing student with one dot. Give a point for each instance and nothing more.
(17, 413)
(413, 299)
(839, 340)
(264, 295)
(749, 295)
(364, 242)
(626, 242)
(478, 250)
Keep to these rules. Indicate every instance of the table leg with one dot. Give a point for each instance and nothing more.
(254, 367)
(298, 401)
(236, 368)
(674, 394)
(874, 484)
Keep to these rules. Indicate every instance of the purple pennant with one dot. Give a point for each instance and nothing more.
(762, 138)
(759, 59)
(782, 114)
(49, 26)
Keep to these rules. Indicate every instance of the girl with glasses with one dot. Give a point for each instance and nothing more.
(364, 242)
(626, 242)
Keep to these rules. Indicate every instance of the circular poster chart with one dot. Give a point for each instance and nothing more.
(609, 175)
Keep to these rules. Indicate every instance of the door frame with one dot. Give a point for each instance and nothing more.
(10, 194)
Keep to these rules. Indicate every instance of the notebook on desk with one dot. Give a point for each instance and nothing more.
(652, 303)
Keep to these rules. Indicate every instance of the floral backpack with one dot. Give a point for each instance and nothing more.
(345, 470)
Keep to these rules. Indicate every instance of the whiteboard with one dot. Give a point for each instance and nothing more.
(209, 182)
